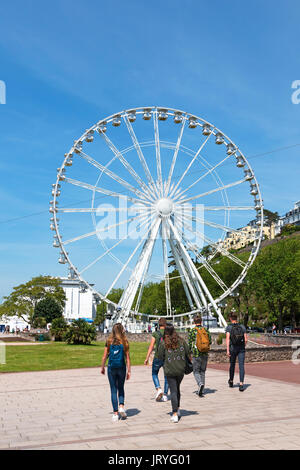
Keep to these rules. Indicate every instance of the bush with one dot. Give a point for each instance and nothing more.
(59, 328)
(80, 332)
(220, 338)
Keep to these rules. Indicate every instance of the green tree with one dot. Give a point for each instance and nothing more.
(80, 332)
(24, 298)
(275, 278)
(47, 308)
(100, 313)
(59, 328)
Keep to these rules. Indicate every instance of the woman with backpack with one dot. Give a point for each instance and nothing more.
(157, 338)
(173, 352)
(117, 350)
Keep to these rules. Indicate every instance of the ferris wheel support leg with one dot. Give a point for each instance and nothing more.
(189, 265)
(201, 282)
(185, 278)
(129, 293)
(166, 272)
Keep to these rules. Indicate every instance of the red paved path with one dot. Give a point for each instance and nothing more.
(284, 371)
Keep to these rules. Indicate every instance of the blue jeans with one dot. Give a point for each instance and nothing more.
(156, 365)
(237, 352)
(116, 379)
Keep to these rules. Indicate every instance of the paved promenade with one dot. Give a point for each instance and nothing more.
(71, 409)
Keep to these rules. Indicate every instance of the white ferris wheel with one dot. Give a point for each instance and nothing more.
(161, 190)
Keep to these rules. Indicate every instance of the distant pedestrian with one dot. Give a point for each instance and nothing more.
(157, 338)
(117, 349)
(236, 340)
(274, 329)
(173, 352)
(199, 341)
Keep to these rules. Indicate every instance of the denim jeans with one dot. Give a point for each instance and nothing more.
(156, 365)
(199, 368)
(116, 379)
(237, 352)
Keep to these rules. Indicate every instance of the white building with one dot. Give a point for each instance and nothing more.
(80, 303)
(292, 217)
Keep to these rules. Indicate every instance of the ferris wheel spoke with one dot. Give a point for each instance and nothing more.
(175, 156)
(166, 271)
(203, 287)
(229, 208)
(96, 209)
(142, 259)
(126, 164)
(195, 276)
(217, 246)
(104, 229)
(208, 267)
(203, 176)
(211, 224)
(190, 292)
(141, 156)
(220, 188)
(157, 152)
(142, 283)
(144, 222)
(190, 164)
(107, 192)
(114, 176)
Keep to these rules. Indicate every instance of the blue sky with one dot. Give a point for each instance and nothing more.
(66, 64)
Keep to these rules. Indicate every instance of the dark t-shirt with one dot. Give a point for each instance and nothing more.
(229, 329)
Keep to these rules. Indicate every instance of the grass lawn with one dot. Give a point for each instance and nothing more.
(62, 356)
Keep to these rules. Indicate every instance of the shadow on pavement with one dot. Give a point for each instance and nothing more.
(187, 412)
(132, 412)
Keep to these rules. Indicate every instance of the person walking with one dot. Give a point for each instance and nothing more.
(173, 352)
(199, 341)
(236, 341)
(117, 350)
(157, 338)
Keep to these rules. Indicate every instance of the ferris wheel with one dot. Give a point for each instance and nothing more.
(162, 190)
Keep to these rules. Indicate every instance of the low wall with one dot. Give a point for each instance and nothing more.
(146, 337)
(259, 354)
(281, 339)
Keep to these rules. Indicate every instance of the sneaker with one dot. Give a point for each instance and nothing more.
(164, 398)
(174, 418)
(200, 391)
(230, 383)
(241, 388)
(122, 412)
(115, 418)
(159, 395)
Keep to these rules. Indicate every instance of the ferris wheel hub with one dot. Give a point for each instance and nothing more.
(164, 207)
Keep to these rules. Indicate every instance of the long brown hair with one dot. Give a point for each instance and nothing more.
(172, 340)
(118, 336)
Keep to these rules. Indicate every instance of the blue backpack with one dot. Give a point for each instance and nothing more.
(116, 356)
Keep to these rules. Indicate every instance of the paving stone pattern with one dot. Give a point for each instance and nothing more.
(71, 409)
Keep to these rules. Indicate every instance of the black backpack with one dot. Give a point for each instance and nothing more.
(237, 335)
(158, 341)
